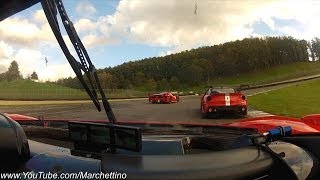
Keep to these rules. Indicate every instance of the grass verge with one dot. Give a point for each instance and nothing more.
(294, 101)
(29, 90)
(274, 74)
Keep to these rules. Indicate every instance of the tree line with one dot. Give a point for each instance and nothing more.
(13, 73)
(204, 64)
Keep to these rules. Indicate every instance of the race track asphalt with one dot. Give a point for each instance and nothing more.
(187, 111)
(139, 110)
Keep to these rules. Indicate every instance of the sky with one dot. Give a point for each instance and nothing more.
(118, 31)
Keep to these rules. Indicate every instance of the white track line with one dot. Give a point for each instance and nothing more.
(257, 113)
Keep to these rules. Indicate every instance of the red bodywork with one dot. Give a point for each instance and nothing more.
(164, 97)
(217, 100)
(306, 125)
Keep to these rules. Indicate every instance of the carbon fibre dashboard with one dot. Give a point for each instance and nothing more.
(238, 163)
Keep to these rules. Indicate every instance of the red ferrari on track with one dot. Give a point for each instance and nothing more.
(164, 97)
(219, 100)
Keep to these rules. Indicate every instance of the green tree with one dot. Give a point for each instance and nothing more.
(151, 85)
(174, 82)
(139, 78)
(205, 64)
(193, 75)
(70, 82)
(163, 85)
(13, 72)
(34, 76)
(2, 76)
(106, 80)
(316, 48)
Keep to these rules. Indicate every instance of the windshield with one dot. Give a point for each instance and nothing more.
(267, 51)
(223, 90)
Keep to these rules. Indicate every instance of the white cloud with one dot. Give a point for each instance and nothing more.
(6, 50)
(289, 30)
(30, 60)
(171, 24)
(83, 25)
(93, 40)
(96, 33)
(270, 22)
(55, 71)
(23, 32)
(165, 23)
(24, 39)
(40, 17)
(3, 68)
(85, 8)
(174, 24)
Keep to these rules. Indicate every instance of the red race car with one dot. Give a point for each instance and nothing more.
(164, 97)
(222, 99)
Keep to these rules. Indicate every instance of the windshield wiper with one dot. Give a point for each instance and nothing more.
(85, 65)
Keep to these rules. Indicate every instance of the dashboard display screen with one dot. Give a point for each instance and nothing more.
(89, 135)
(78, 132)
(100, 134)
(125, 138)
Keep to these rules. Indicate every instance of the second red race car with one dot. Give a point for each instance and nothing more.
(220, 100)
(164, 97)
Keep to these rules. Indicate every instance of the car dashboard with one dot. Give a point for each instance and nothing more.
(227, 156)
(199, 152)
